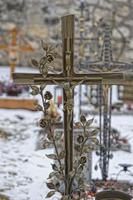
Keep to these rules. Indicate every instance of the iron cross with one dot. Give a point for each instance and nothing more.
(68, 79)
(106, 64)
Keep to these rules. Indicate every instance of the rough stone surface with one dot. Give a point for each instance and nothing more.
(41, 20)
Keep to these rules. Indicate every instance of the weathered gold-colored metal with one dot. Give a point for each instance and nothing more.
(68, 79)
(110, 78)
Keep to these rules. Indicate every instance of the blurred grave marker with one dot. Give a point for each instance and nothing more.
(13, 49)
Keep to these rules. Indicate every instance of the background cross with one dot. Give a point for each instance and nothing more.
(106, 64)
(13, 48)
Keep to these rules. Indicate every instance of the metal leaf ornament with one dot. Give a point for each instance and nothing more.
(46, 63)
(83, 144)
(47, 123)
(86, 142)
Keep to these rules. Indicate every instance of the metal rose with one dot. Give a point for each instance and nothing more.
(43, 123)
(50, 58)
(48, 95)
(80, 139)
(83, 160)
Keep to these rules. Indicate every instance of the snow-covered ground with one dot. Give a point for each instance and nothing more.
(24, 171)
(124, 124)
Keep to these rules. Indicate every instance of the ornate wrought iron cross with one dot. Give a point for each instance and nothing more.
(106, 64)
(68, 79)
(82, 41)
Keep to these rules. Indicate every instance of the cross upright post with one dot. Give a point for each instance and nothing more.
(68, 92)
(68, 79)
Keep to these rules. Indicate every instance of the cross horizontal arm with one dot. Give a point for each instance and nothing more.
(25, 48)
(92, 78)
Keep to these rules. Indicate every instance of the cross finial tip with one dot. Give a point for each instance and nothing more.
(68, 26)
(67, 16)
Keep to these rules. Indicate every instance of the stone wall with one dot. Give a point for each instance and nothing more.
(40, 19)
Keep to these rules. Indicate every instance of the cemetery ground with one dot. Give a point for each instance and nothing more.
(24, 169)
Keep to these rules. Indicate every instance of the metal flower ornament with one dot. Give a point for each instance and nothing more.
(46, 63)
(85, 142)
